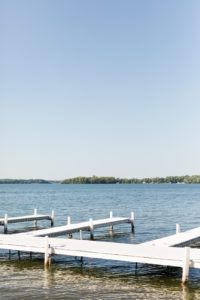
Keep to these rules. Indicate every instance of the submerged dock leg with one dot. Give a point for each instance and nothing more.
(35, 214)
(186, 265)
(52, 218)
(132, 222)
(5, 223)
(91, 229)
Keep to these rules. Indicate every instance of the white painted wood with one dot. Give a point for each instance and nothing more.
(24, 219)
(111, 216)
(181, 239)
(35, 221)
(69, 222)
(91, 229)
(5, 223)
(52, 217)
(71, 228)
(81, 234)
(178, 228)
(158, 255)
(170, 256)
(46, 251)
(159, 252)
(132, 221)
(186, 264)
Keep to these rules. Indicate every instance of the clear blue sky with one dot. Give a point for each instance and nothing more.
(104, 87)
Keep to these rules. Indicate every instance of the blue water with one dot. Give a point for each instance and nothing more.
(157, 209)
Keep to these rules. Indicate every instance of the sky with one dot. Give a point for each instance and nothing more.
(105, 88)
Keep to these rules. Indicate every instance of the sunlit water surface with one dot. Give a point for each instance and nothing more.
(157, 210)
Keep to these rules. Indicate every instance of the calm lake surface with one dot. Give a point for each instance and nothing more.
(157, 210)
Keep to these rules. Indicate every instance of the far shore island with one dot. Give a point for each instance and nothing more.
(193, 179)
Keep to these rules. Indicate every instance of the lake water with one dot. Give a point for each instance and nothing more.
(157, 210)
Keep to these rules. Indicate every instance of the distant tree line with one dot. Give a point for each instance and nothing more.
(113, 180)
(24, 181)
(110, 180)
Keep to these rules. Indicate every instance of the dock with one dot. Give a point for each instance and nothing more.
(83, 226)
(167, 256)
(166, 251)
(179, 239)
(35, 217)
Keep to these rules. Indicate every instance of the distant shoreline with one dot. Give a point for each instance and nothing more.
(27, 181)
(193, 179)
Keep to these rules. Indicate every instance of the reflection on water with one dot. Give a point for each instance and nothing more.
(68, 277)
(73, 281)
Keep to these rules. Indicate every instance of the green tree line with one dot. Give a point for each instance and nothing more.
(23, 181)
(113, 180)
(194, 179)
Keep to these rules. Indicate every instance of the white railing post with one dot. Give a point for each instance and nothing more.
(186, 265)
(111, 216)
(91, 229)
(178, 228)
(52, 217)
(35, 221)
(46, 251)
(81, 235)
(132, 221)
(5, 223)
(69, 222)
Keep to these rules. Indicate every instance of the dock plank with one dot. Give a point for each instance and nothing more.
(72, 228)
(179, 239)
(25, 219)
(168, 256)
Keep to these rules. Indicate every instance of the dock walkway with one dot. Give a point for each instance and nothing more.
(179, 239)
(35, 217)
(167, 251)
(77, 227)
(168, 256)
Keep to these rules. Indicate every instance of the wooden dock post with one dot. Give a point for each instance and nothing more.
(35, 214)
(91, 229)
(186, 265)
(178, 228)
(46, 251)
(52, 218)
(111, 216)
(132, 221)
(5, 223)
(69, 222)
(81, 235)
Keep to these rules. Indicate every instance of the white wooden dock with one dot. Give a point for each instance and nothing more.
(179, 239)
(167, 256)
(163, 251)
(77, 227)
(35, 217)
